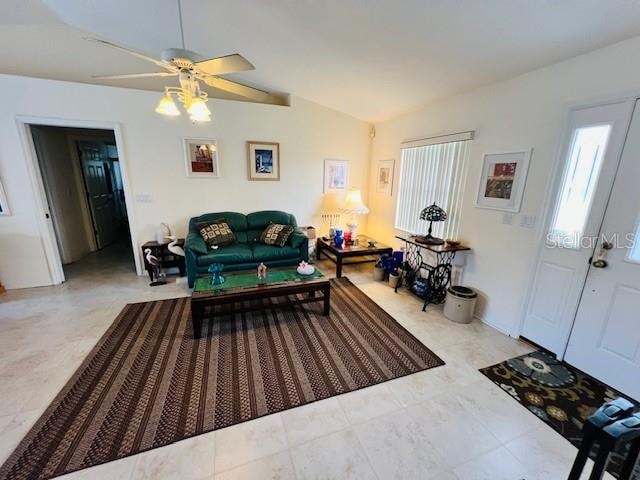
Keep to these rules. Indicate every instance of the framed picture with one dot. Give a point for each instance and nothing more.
(336, 175)
(201, 157)
(4, 207)
(384, 177)
(263, 160)
(502, 180)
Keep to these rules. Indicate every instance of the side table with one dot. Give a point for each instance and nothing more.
(359, 252)
(162, 253)
(439, 274)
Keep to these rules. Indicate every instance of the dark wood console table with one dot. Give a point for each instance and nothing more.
(438, 274)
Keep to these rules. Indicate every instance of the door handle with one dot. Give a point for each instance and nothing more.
(601, 257)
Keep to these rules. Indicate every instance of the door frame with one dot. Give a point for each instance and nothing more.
(45, 226)
(551, 199)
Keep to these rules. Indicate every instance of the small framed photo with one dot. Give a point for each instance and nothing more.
(384, 177)
(502, 180)
(201, 158)
(263, 160)
(4, 206)
(336, 175)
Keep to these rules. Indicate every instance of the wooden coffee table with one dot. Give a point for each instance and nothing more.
(243, 286)
(351, 254)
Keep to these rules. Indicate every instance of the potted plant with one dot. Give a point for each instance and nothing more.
(378, 270)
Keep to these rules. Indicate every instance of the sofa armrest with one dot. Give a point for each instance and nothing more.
(196, 243)
(194, 246)
(300, 241)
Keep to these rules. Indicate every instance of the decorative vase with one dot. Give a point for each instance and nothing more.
(262, 273)
(162, 232)
(215, 269)
(338, 238)
(305, 269)
(378, 273)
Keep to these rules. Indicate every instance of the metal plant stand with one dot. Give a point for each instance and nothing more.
(438, 274)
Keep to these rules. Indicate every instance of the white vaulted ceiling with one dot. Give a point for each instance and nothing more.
(369, 58)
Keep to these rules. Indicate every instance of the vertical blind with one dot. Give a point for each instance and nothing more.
(432, 174)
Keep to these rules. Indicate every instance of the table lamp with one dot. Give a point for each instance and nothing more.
(353, 205)
(432, 213)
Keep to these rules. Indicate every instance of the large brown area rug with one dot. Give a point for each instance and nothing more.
(148, 383)
(558, 394)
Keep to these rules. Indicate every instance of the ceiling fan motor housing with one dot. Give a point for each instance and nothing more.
(179, 57)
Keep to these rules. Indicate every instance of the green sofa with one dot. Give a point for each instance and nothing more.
(247, 252)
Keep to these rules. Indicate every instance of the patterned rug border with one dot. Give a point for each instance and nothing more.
(54, 403)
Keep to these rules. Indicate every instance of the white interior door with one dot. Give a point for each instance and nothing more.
(99, 194)
(591, 155)
(605, 340)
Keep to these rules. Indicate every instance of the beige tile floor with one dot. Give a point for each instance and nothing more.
(447, 423)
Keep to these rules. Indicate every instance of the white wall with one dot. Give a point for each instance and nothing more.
(528, 111)
(153, 149)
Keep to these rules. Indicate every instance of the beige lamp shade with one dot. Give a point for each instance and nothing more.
(353, 203)
(331, 204)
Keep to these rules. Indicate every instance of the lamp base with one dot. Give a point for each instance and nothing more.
(353, 228)
(429, 240)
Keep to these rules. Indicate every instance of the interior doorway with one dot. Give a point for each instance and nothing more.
(84, 189)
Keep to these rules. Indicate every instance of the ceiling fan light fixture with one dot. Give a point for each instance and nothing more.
(198, 107)
(200, 117)
(166, 106)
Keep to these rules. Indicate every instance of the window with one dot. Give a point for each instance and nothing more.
(579, 183)
(432, 173)
(633, 255)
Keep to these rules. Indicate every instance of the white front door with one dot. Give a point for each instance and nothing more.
(590, 157)
(605, 340)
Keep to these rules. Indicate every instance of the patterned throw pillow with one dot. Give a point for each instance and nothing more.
(276, 234)
(217, 233)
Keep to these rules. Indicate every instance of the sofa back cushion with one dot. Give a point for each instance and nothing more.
(236, 221)
(258, 221)
(247, 228)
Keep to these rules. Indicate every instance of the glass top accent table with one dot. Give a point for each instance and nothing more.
(243, 288)
(360, 252)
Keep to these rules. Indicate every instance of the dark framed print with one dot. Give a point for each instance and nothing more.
(263, 160)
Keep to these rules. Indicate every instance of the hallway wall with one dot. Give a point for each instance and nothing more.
(65, 193)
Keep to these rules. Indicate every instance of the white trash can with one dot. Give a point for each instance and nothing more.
(460, 304)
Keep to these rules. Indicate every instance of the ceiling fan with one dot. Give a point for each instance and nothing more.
(184, 64)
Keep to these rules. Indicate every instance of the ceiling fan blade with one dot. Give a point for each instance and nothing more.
(131, 52)
(134, 75)
(251, 93)
(227, 64)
